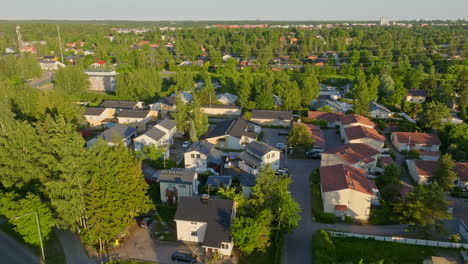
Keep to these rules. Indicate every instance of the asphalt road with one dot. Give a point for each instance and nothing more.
(298, 245)
(13, 252)
(74, 251)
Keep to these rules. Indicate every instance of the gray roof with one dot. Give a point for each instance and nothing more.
(168, 100)
(149, 172)
(133, 113)
(220, 106)
(272, 114)
(250, 159)
(247, 180)
(259, 148)
(375, 106)
(321, 103)
(167, 123)
(177, 175)
(215, 212)
(217, 181)
(119, 131)
(205, 147)
(234, 127)
(94, 111)
(119, 104)
(155, 133)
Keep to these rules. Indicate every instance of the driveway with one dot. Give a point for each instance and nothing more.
(271, 137)
(74, 251)
(298, 245)
(139, 245)
(11, 251)
(332, 138)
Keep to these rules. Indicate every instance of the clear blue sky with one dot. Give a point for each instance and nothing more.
(233, 9)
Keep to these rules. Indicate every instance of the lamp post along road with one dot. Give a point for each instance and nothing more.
(38, 231)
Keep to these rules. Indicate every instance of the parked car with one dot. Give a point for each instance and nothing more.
(314, 155)
(184, 257)
(281, 146)
(186, 144)
(146, 222)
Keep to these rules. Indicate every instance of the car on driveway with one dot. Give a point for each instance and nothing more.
(183, 257)
(314, 155)
(281, 146)
(186, 144)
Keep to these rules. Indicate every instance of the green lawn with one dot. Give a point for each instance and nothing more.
(372, 251)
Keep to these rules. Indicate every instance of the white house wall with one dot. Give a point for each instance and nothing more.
(185, 229)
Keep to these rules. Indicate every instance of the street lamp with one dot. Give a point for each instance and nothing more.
(38, 230)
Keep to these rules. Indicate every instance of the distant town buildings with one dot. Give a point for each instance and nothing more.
(384, 21)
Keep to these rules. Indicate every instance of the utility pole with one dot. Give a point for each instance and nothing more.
(20, 40)
(38, 230)
(60, 43)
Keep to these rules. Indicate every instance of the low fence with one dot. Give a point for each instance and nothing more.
(410, 241)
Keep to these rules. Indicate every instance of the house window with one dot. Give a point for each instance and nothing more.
(224, 246)
(182, 186)
(194, 233)
(272, 155)
(193, 156)
(268, 156)
(198, 156)
(170, 185)
(193, 223)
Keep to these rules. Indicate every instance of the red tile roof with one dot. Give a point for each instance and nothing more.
(327, 116)
(429, 167)
(317, 134)
(426, 167)
(461, 169)
(341, 177)
(417, 138)
(429, 153)
(357, 132)
(341, 207)
(353, 119)
(354, 152)
(385, 161)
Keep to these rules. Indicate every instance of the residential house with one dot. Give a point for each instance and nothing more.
(136, 118)
(357, 155)
(169, 127)
(318, 136)
(333, 119)
(416, 96)
(117, 134)
(320, 104)
(247, 181)
(218, 181)
(257, 155)
(165, 104)
(379, 111)
(151, 174)
(429, 155)
(346, 191)
(226, 98)
(366, 135)
(50, 65)
(122, 105)
(463, 228)
(414, 140)
(201, 155)
(272, 117)
(233, 133)
(96, 116)
(422, 170)
(354, 120)
(207, 221)
(160, 135)
(11, 50)
(176, 183)
(224, 110)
